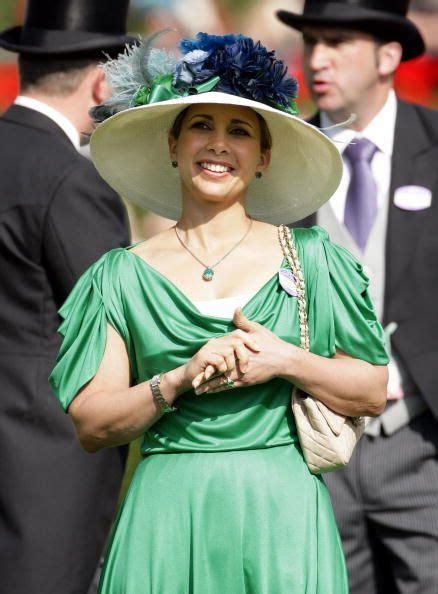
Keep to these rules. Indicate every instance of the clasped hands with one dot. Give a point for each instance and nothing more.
(249, 355)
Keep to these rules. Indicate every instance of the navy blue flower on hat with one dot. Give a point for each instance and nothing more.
(246, 68)
(232, 64)
(190, 69)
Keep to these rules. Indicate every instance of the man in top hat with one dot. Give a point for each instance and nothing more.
(386, 213)
(57, 216)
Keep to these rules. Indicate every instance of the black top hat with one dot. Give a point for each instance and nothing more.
(385, 19)
(69, 27)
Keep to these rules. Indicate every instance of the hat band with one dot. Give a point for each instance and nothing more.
(162, 89)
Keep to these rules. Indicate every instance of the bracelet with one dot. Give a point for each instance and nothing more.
(158, 396)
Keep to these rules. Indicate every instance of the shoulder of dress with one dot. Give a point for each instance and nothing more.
(311, 236)
(110, 264)
(319, 252)
(311, 247)
(120, 256)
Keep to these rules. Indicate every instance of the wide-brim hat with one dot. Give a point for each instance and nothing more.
(69, 27)
(386, 20)
(130, 151)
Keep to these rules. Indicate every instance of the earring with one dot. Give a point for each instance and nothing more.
(174, 164)
(259, 174)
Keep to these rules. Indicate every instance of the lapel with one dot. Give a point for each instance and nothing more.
(410, 166)
(23, 116)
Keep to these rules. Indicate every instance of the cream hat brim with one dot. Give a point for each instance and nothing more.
(130, 151)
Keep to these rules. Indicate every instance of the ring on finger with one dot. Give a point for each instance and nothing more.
(229, 382)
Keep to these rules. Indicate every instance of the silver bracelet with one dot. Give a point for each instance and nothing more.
(158, 396)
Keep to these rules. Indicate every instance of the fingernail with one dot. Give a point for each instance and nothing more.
(208, 374)
(200, 391)
(196, 383)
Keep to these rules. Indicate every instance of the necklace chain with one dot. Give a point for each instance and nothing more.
(209, 270)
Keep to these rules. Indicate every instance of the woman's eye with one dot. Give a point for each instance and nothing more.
(200, 125)
(240, 131)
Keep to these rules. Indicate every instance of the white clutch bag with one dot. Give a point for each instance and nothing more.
(327, 438)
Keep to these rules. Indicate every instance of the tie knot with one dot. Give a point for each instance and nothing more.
(360, 149)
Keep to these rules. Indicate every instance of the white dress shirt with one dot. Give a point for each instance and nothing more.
(60, 119)
(380, 131)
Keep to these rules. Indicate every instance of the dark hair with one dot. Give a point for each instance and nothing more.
(53, 75)
(265, 135)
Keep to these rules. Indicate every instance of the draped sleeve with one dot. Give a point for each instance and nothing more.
(341, 315)
(94, 302)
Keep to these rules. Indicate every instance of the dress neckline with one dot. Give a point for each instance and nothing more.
(187, 299)
(247, 296)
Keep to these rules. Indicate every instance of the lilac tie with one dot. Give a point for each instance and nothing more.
(361, 204)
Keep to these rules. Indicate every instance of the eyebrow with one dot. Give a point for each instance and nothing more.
(241, 122)
(209, 117)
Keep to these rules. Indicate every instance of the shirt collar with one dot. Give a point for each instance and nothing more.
(60, 119)
(380, 130)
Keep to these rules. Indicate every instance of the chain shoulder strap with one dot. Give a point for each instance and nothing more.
(287, 243)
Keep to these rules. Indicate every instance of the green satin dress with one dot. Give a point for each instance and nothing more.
(222, 501)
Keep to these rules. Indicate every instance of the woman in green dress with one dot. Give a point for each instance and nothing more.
(191, 338)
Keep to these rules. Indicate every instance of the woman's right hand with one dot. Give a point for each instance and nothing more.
(220, 356)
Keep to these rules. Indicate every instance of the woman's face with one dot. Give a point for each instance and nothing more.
(218, 151)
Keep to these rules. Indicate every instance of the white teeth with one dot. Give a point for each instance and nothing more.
(215, 167)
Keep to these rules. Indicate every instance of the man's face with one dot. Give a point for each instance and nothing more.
(341, 68)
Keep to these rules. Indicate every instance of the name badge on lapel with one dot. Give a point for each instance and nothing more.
(288, 281)
(413, 197)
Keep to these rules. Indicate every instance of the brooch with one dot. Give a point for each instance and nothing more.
(288, 281)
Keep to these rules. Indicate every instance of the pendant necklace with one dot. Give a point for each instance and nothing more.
(208, 273)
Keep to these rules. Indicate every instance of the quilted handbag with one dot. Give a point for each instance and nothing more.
(327, 438)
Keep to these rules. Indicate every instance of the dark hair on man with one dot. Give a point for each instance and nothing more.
(58, 76)
(265, 135)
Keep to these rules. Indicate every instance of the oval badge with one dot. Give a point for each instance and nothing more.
(288, 281)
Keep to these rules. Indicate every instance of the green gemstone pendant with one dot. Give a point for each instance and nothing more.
(208, 274)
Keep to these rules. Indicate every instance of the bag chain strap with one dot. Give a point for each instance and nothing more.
(289, 250)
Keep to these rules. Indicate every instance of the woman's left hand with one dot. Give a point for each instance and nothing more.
(262, 366)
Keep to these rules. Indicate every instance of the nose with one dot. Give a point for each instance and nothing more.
(318, 56)
(217, 142)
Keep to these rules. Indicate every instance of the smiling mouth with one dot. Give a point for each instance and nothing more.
(216, 168)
